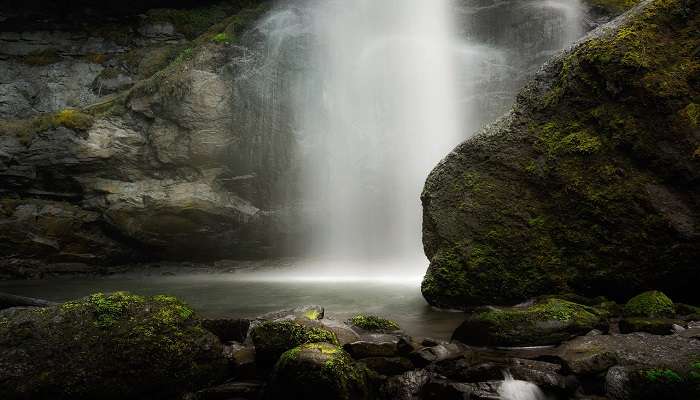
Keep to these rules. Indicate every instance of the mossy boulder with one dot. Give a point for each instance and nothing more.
(546, 322)
(320, 371)
(657, 326)
(272, 338)
(373, 323)
(589, 185)
(652, 304)
(106, 346)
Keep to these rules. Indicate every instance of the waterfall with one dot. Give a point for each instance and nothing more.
(381, 109)
(368, 95)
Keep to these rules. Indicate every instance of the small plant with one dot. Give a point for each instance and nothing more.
(222, 38)
(73, 119)
(662, 375)
(373, 323)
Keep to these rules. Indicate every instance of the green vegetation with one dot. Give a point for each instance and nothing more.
(565, 197)
(271, 338)
(318, 370)
(662, 375)
(312, 315)
(223, 38)
(373, 323)
(127, 345)
(652, 304)
(25, 129)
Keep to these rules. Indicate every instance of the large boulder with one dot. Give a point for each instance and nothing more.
(589, 184)
(111, 346)
(320, 371)
(547, 322)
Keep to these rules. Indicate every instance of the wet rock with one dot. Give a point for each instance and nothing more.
(635, 383)
(590, 355)
(363, 349)
(232, 390)
(550, 321)
(437, 353)
(302, 374)
(407, 386)
(227, 329)
(242, 360)
(272, 338)
(388, 366)
(373, 323)
(657, 326)
(523, 209)
(343, 332)
(107, 346)
(442, 389)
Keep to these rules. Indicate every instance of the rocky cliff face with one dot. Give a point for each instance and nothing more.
(119, 144)
(590, 183)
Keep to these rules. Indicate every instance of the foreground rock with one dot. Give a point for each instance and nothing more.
(588, 184)
(549, 321)
(318, 371)
(106, 346)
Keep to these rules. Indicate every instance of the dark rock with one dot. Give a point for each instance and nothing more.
(438, 353)
(634, 383)
(302, 374)
(232, 390)
(546, 322)
(388, 366)
(588, 355)
(578, 188)
(363, 349)
(272, 338)
(107, 346)
(407, 386)
(442, 389)
(242, 360)
(657, 326)
(228, 329)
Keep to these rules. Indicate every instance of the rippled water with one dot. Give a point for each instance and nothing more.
(246, 295)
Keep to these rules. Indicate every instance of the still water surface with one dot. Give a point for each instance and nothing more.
(231, 294)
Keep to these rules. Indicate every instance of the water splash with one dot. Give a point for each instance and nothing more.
(381, 110)
(513, 389)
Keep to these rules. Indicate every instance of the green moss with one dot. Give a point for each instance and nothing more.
(373, 323)
(312, 315)
(272, 338)
(222, 38)
(127, 345)
(662, 375)
(651, 304)
(332, 374)
(25, 129)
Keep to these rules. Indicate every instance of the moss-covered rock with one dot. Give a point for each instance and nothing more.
(652, 304)
(657, 326)
(107, 346)
(373, 323)
(272, 338)
(320, 371)
(546, 322)
(589, 185)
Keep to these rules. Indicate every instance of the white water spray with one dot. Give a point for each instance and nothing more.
(513, 389)
(382, 111)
